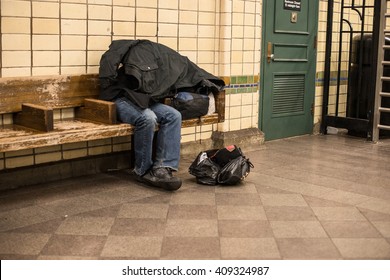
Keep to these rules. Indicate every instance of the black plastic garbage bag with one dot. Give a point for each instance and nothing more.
(204, 169)
(234, 171)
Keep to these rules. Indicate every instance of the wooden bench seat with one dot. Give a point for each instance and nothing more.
(33, 104)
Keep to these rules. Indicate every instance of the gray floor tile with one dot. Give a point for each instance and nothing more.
(289, 213)
(191, 228)
(338, 214)
(131, 210)
(249, 248)
(192, 212)
(193, 198)
(282, 200)
(244, 187)
(45, 227)
(22, 243)
(74, 245)
(229, 212)
(307, 248)
(138, 227)
(297, 229)
(363, 248)
(237, 199)
(383, 228)
(132, 247)
(245, 228)
(319, 202)
(86, 226)
(350, 229)
(191, 248)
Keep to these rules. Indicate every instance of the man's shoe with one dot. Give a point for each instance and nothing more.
(162, 178)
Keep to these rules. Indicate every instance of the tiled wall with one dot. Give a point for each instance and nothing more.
(68, 37)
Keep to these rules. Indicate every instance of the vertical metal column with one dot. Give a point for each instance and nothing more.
(379, 94)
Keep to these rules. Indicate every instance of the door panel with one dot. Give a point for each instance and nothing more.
(289, 65)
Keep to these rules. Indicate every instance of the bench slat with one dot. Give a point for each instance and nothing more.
(35, 117)
(97, 110)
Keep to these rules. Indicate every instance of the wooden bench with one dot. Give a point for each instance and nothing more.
(31, 112)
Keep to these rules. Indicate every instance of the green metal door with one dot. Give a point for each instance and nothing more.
(288, 67)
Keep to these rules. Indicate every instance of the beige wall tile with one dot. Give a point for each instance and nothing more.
(19, 161)
(124, 13)
(186, 30)
(93, 57)
(207, 5)
(50, 149)
(16, 58)
(170, 42)
(99, 12)
(168, 16)
(122, 2)
(46, 58)
(74, 146)
(246, 122)
(168, 4)
(148, 3)
(99, 150)
(99, 142)
(45, 71)
(165, 29)
(73, 70)
(15, 42)
(69, 27)
(206, 31)
(146, 29)
(45, 26)
(146, 15)
(124, 28)
(49, 157)
(74, 154)
(67, 113)
(15, 25)
(188, 44)
(15, 8)
(45, 9)
(235, 112)
(73, 11)
(16, 72)
(121, 147)
(188, 138)
(188, 5)
(45, 42)
(99, 27)
(205, 57)
(73, 42)
(235, 124)
(189, 17)
(99, 42)
(122, 139)
(207, 17)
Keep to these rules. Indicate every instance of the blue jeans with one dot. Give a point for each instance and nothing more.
(145, 122)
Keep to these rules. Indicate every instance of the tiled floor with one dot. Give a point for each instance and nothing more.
(311, 197)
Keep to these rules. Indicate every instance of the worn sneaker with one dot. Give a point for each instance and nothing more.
(162, 178)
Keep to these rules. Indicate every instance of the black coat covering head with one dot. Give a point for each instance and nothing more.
(145, 71)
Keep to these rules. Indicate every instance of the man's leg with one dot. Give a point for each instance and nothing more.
(144, 121)
(168, 136)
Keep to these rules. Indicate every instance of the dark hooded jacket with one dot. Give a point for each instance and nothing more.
(145, 71)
